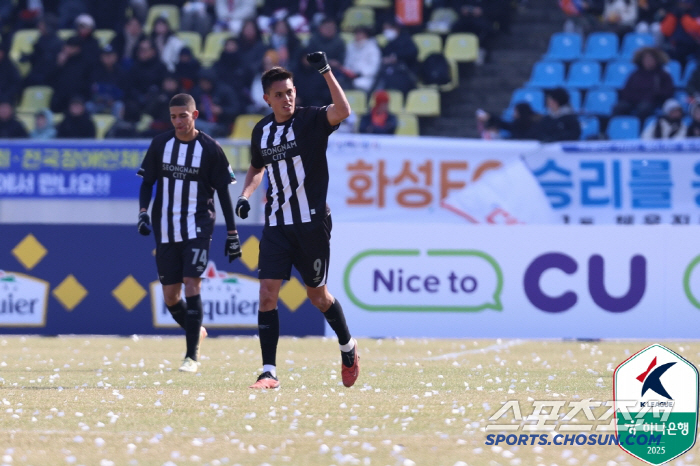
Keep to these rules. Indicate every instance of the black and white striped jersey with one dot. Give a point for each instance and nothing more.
(294, 154)
(187, 174)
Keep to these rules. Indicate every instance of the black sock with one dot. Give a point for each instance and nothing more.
(179, 311)
(336, 319)
(269, 330)
(193, 322)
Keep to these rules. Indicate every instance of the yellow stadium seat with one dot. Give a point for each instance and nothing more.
(347, 37)
(423, 102)
(243, 126)
(192, 40)
(381, 40)
(441, 20)
(358, 101)
(357, 16)
(462, 47)
(407, 125)
(104, 36)
(27, 120)
(35, 98)
(427, 44)
(374, 3)
(102, 124)
(169, 12)
(213, 45)
(23, 43)
(65, 34)
(395, 100)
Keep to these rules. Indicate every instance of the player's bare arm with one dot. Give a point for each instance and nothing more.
(340, 108)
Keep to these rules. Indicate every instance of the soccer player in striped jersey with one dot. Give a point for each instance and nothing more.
(290, 146)
(187, 166)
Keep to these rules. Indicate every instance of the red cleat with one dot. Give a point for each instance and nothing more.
(266, 381)
(351, 373)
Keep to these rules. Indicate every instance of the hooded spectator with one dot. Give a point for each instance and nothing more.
(217, 103)
(251, 46)
(147, 72)
(10, 79)
(43, 125)
(669, 125)
(166, 42)
(648, 87)
(77, 123)
(285, 42)
(328, 40)
(71, 75)
(362, 60)
(379, 120)
(107, 82)
(126, 41)
(44, 54)
(10, 127)
(187, 69)
(694, 127)
(560, 124)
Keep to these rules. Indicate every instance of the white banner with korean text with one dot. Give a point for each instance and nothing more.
(379, 178)
(407, 180)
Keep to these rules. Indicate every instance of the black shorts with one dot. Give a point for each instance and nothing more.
(307, 246)
(182, 259)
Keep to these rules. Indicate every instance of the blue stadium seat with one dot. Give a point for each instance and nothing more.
(690, 68)
(584, 74)
(564, 46)
(623, 127)
(600, 101)
(633, 41)
(684, 99)
(547, 74)
(674, 69)
(617, 72)
(575, 99)
(535, 97)
(590, 127)
(601, 46)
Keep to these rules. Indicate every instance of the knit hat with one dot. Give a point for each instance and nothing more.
(85, 20)
(381, 97)
(670, 105)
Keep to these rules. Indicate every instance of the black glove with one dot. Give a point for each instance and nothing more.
(319, 61)
(242, 207)
(144, 224)
(233, 247)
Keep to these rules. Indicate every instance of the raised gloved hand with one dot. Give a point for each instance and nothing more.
(144, 225)
(319, 61)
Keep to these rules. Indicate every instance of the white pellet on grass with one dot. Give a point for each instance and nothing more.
(99, 442)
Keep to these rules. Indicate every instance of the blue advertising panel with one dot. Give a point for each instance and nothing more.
(101, 279)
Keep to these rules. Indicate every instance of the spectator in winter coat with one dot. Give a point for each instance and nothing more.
(10, 127)
(400, 48)
(230, 16)
(648, 87)
(167, 43)
(44, 54)
(107, 82)
(251, 46)
(285, 42)
(146, 72)
(362, 60)
(217, 103)
(10, 79)
(84, 31)
(379, 120)
(328, 40)
(669, 125)
(43, 125)
(620, 16)
(694, 127)
(70, 76)
(126, 41)
(187, 69)
(561, 124)
(77, 124)
(681, 26)
(230, 70)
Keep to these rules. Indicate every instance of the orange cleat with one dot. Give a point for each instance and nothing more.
(266, 381)
(351, 373)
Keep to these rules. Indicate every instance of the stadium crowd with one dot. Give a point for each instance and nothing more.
(122, 60)
(658, 96)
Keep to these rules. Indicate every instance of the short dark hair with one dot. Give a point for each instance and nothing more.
(182, 100)
(274, 74)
